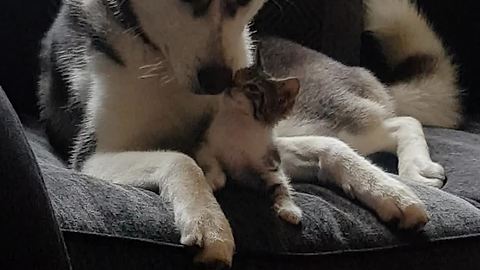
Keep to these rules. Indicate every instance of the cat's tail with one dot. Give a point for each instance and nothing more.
(424, 82)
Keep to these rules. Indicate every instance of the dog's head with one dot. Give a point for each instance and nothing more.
(205, 41)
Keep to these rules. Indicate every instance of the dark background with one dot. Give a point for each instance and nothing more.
(23, 22)
(458, 23)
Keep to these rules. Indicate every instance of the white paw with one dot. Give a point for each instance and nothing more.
(214, 237)
(423, 171)
(289, 212)
(216, 179)
(394, 201)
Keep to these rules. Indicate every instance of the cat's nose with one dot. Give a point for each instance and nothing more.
(214, 79)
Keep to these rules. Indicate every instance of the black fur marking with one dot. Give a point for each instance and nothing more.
(272, 159)
(60, 96)
(257, 99)
(79, 22)
(243, 2)
(123, 12)
(421, 65)
(59, 110)
(273, 190)
(100, 44)
(84, 148)
(231, 7)
(200, 7)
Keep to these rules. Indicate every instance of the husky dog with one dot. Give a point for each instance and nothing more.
(127, 86)
(240, 140)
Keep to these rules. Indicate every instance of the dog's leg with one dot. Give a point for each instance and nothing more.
(403, 136)
(197, 213)
(389, 198)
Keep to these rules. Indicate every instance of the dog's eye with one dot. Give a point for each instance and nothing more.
(200, 7)
(243, 2)
(232, 6)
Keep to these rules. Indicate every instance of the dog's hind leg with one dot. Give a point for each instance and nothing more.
(389, 198)
(404, 137)
(198, 215)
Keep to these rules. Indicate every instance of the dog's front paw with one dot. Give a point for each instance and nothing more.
(395, 202)
(425, 172)
(214, 236)
(289, 212)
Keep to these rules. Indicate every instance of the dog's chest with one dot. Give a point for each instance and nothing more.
(133, 114)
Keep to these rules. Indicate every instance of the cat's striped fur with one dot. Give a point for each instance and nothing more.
(240, 142)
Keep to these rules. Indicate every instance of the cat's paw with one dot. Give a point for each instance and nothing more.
(425, 172)
(216, 179)
(289, 212)
(214, 237)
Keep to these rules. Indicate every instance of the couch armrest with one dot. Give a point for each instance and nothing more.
(31, 238)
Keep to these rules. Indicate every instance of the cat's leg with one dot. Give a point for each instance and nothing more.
(389, 198)
(281, 191)
(214, 173)
(198, 215)
(403, 136)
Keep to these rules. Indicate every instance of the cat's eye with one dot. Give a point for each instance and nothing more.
(252, 88)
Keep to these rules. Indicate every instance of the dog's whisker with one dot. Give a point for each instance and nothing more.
(148, 76)
(158, 65)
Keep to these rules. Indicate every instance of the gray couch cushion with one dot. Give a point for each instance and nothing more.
(332, 223)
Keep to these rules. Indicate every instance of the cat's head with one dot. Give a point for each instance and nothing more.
(264, 97)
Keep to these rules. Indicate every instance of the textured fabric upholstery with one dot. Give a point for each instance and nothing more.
(92, 210)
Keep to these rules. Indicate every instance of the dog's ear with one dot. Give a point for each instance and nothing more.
(258, 58)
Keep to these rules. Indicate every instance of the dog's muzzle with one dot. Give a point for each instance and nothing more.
(214, 79)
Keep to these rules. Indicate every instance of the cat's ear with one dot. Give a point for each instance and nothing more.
(240, 77)
(289, 89)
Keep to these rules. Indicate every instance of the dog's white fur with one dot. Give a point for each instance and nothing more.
(130, 114)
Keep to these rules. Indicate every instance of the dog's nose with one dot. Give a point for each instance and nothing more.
(214, 79)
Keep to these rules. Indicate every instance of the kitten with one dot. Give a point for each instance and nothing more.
(240, 139)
